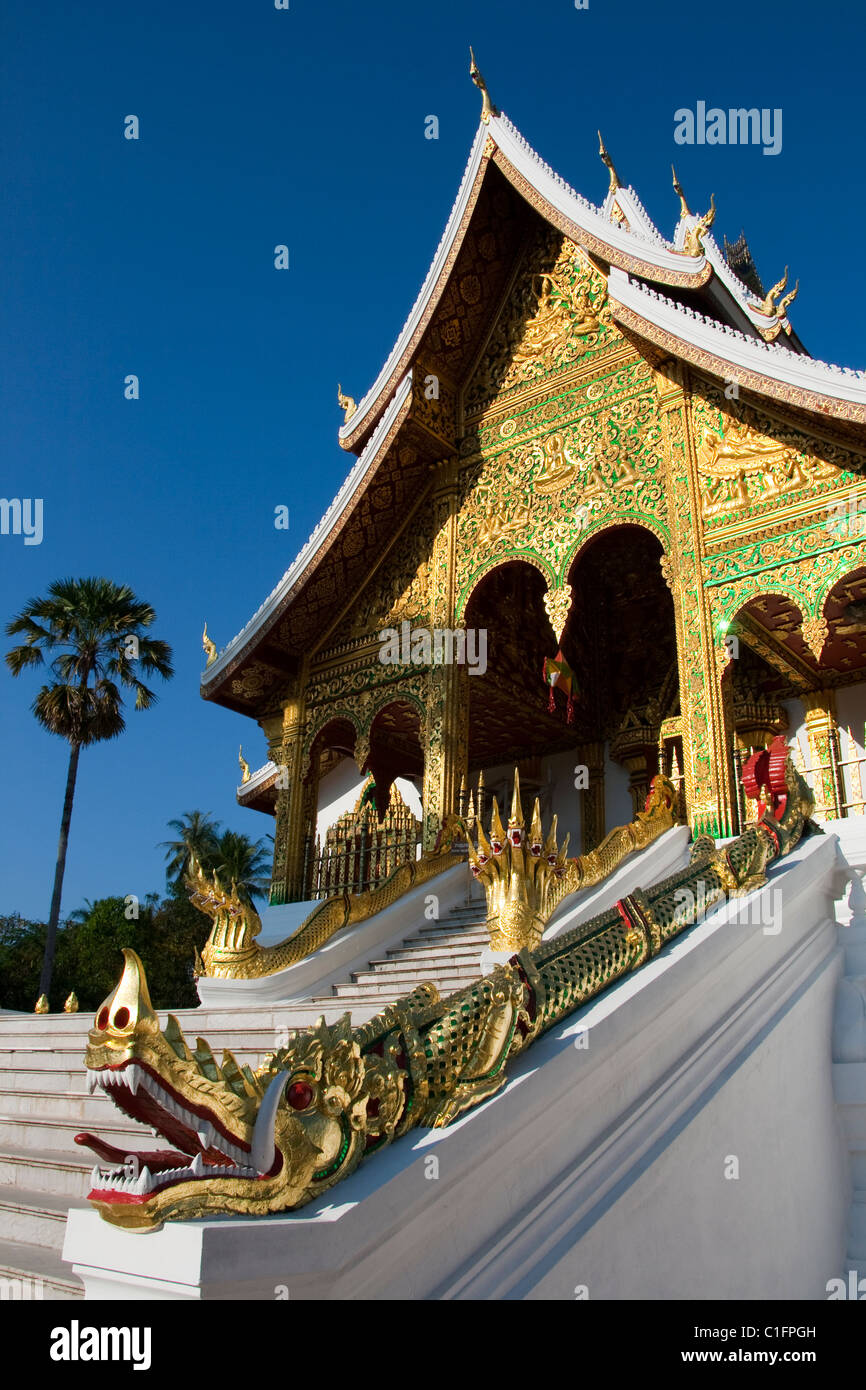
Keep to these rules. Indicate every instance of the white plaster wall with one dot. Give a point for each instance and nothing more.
(340, 789)
(851, 715)
(617, 797)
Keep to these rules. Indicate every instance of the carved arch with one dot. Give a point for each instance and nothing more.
(606, 523)
(495, 562)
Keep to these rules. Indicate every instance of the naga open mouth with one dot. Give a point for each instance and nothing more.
(202, 1148)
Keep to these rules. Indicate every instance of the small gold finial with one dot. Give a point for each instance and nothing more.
(487, 107)
(678, 189)
(782, 306)
(209, 647)
(71, 1005)
(244, 765)
(346, 404)
(694, 240)
(768, 305)
(608, 163)
(42, 1005)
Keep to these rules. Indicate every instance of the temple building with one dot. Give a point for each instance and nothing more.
(596, 578)
(589, 442)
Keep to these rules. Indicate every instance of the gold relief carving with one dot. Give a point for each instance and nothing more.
(744, 465)
(434, 401)
(557, 606)
(557, 309)
(558, 469)
(252, 682)
(815, 634)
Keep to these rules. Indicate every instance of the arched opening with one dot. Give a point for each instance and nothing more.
(364, 816)
(621, 640)
(806, 676)
(509, 719)
(396, 753)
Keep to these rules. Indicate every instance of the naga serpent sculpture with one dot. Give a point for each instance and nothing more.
(270, 1140)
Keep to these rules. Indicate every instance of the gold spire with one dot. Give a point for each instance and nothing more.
(608, 162)
(678, 189)
(515, 820)
(346, 403)
(209, 647)
(71, 1005)
(487, 108)
(42, 1005)
(244, 766)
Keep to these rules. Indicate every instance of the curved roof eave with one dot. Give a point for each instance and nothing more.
(311, 553)
(643, 253)
(767, 368)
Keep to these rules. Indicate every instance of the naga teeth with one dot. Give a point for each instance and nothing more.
(198, 1166)
(206, 1135)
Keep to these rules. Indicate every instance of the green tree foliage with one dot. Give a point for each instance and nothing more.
(88, 957)
(91, 634)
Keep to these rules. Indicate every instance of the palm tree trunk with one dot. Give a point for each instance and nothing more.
(54, 916)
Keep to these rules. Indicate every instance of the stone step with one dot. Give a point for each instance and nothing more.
(56, 1133)
(41, 1079)
(423, 953)
(443, 936)
(404, 976)
(35, 1218)
(34, 1272)
(377, 989)
(47, 1171)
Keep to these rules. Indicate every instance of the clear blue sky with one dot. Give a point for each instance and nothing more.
(155, 257)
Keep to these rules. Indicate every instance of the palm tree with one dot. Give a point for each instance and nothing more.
(197, 837)
(245, 862)
(81, 914)
(94, 632)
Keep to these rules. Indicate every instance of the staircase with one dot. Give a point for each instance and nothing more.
(44, 1101)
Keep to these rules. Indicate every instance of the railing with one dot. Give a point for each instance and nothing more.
(359, 853)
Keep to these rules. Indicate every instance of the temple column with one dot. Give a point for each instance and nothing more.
(446, 730)
(285, 745)
(822, 733)
(706, 725)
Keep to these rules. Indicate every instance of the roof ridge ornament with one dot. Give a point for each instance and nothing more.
(209, 648)
(678, 189)
(694, 239)
(615, 182)
(782, 306)
(768, 305)
(346, 403)
(487, 109)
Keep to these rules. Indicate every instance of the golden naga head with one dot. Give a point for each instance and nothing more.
(235, 1140)
(518, 871)
(236, 923)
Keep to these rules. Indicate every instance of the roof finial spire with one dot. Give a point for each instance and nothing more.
(678, 189)
(487, 109)
(346, 404)
(608, 162)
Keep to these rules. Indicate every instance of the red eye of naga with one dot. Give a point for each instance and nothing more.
(102, 1020)
(121, 1018)
(299, 1095)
